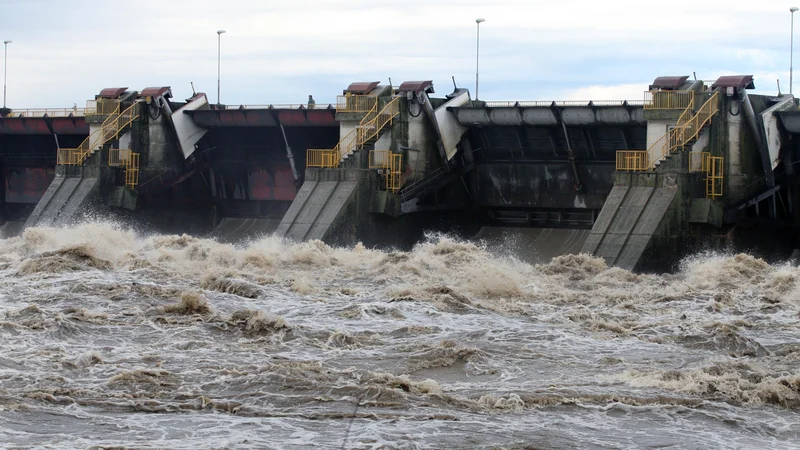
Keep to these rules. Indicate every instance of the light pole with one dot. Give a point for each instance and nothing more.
(5, 70)
(477, 53)
(791, 49)
(219, 59)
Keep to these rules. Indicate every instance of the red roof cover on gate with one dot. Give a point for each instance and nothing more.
(154, 91)
(735, 81)
(416, 86)
(112, 92)
(361, 87)
(670, 83)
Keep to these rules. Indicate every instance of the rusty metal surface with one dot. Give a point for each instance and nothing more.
(361, 87)
(27, 184)
(217, 118)
(112, 92)
(155, 91)
(416, 86)
(671, 83)
(734, 81)
(38, 125)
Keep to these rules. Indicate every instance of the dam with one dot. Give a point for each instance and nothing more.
(693, 165)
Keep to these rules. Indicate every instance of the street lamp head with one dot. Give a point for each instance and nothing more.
(7, 42)
(479, 20)
(220, 31)
(793, 9)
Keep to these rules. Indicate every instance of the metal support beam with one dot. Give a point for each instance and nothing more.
(571, 156)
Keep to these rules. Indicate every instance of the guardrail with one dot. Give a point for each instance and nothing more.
(355, 103)
(699, 161)
(371, 129)
(668, 99)
(632, 160)
(102, 106)
(275, 106)
(559, 103)
(324, 158)
(715, 176)
(379, 159)
(49, 112)
(391, 163)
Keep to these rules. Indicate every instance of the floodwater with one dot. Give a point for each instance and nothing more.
(113, 339)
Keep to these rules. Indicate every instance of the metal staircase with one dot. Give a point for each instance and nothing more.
(686, 132)
(115, 123)
(365, 133)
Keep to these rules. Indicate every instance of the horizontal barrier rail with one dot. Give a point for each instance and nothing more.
(379, 159)
(102, 107)
(323, 158)
(699, 161)
(49, 112)
(355, 103)
(371, 129)
(560, 103)
(275, 106)
(632, 160)
(668, 99)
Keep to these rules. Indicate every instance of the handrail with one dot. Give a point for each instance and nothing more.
(391, 163)
(109, 130)
(370, 126)
(668, 99)
(355, 103)
(632, 160)
(375, 126)
(699, 161)
(49, 112)
(321, 106)
(715, 176)
(687, 129)
(563, 103)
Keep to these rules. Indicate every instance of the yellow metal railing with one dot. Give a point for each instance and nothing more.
(699, 161)
(101, 106)
(691, 129)
(394, 174)
(715, 176)
(371, 125)
(325, 158)
(109, 130)
(391, 163)
(129, 161)
(668, 99)
(379, 159)
(49, 112)
(372, 128)
(355, 103)
(686, 130)
(132, 170)
(632, 160)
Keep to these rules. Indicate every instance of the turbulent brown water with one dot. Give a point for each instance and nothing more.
(112, 339)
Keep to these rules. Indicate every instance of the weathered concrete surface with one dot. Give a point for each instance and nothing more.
(319, 203)
(633, 213)
(239, 229)
(63, 201)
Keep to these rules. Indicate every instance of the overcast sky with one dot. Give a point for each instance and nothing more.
(279, 51)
